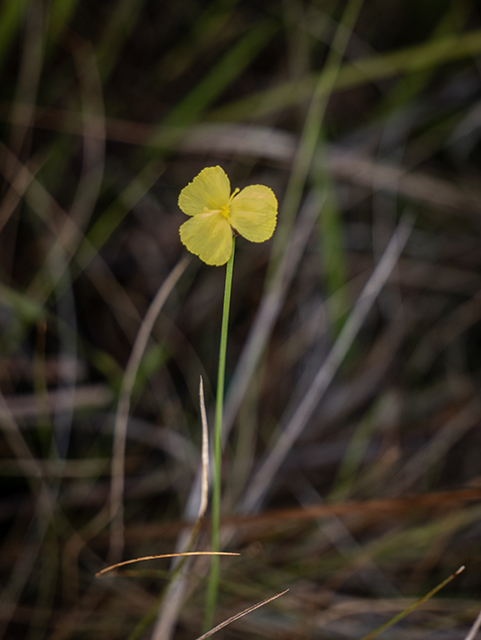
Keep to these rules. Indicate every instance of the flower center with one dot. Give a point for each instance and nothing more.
(225, 210)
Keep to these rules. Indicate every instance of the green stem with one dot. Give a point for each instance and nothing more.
(213, 585)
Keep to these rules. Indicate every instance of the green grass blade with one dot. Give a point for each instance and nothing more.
(312, 128)
(414, 606)
(221, 76)
(353, 74)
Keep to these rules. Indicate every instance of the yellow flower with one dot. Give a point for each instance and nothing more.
(217, 215)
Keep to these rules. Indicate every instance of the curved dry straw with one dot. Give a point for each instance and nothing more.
(164, 555)
(123, 408)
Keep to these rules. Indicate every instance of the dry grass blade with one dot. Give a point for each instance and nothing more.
(122, 416)
(165, 555)
(474, 629)
(377, 510)
(205, 454)
(240, 615)
(175, 594)
(268, 470)
(92, 396)
(362, 170)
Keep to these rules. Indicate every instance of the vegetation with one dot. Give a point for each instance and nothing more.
(350, 471)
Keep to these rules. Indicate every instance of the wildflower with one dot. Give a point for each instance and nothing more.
(218, 215)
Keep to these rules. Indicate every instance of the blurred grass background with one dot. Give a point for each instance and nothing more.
(352, 468)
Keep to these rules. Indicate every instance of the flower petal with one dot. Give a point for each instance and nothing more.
(210, 189)
(209, 236)
(253, 213)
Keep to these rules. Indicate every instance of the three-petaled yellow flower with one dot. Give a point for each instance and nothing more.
(217, 214)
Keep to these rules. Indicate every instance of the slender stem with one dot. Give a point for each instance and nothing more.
(213, 585)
